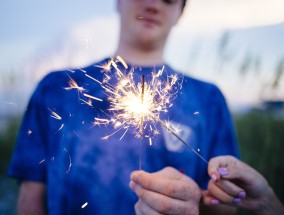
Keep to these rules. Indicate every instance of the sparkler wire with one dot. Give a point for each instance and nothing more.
(141, 120)
(181, 140)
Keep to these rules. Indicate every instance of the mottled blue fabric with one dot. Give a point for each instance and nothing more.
(70, 157)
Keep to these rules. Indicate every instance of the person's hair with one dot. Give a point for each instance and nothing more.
(184, 3)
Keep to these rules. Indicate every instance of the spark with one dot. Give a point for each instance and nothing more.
(84, 205)
(88, 102)
(74, 85)
(106, 67)
(71, 70)
(196, 113)
(122, 61)
(99, 121)
(30, 132)
(41, 161)
(70, 165)
(150, 141)
(123, 134)
(55, 115)
(93, 79)
(70, 161)
(92, 97)
(82, 70)
(62, 125)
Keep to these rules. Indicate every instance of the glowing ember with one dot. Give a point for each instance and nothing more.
(84, 205)
(55, 115)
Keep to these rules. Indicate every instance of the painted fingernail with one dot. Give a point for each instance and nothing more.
(242, 194)
(182, 171)
(215, 202)
(223, 171)
(214, 177)
(236, 200)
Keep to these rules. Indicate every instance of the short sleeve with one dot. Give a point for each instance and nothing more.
(27, 161)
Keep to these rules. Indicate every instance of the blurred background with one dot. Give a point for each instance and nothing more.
(237, 44)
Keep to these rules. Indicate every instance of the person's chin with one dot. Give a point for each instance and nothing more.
(148, 40)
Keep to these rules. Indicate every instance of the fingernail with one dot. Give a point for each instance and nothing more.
(223, 171)
(182, 171)
(236, 200)
(132, 185)
(242, 194)
(214, 202)
(214, 177)
(135, 176)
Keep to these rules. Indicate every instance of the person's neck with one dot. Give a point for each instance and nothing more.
(139, 56)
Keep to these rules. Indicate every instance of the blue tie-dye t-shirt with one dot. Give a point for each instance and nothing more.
(59, 145)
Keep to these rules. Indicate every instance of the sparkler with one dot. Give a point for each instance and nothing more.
(136, 107)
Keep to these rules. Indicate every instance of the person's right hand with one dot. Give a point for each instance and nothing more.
(235, 183)
(167, 191)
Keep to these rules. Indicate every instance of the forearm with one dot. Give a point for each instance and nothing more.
(31, 199)
(270, 205)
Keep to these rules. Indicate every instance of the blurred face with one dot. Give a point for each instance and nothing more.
(148, 21)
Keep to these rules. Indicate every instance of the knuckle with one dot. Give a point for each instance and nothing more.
(170, 170)
(166, 207)
(169, 189)
(140, 192)
(196, 193)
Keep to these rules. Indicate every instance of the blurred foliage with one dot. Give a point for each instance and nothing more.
(7, 140)
(261, 139)
(8, 186)
(246, 61)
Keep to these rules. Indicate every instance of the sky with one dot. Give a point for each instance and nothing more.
(40, 36)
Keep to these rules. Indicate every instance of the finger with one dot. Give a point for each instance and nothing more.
(208, 199)
(219, 194)
(161, 203)
(170, 172)
(241, 172)
(176, 189)
(141, 208)
(217, 162)
(167, 172)
(231, 188)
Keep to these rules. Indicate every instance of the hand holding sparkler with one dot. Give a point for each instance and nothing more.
(165, 192)
(235, 183)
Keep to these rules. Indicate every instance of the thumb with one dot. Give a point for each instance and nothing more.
(217, 166)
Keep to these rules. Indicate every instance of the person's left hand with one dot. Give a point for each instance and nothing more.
(167, 191)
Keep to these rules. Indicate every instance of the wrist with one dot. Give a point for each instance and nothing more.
(270, 204)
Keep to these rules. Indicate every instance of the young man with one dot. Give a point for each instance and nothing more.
(61, 160)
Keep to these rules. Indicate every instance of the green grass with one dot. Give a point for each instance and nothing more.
(261, 140)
